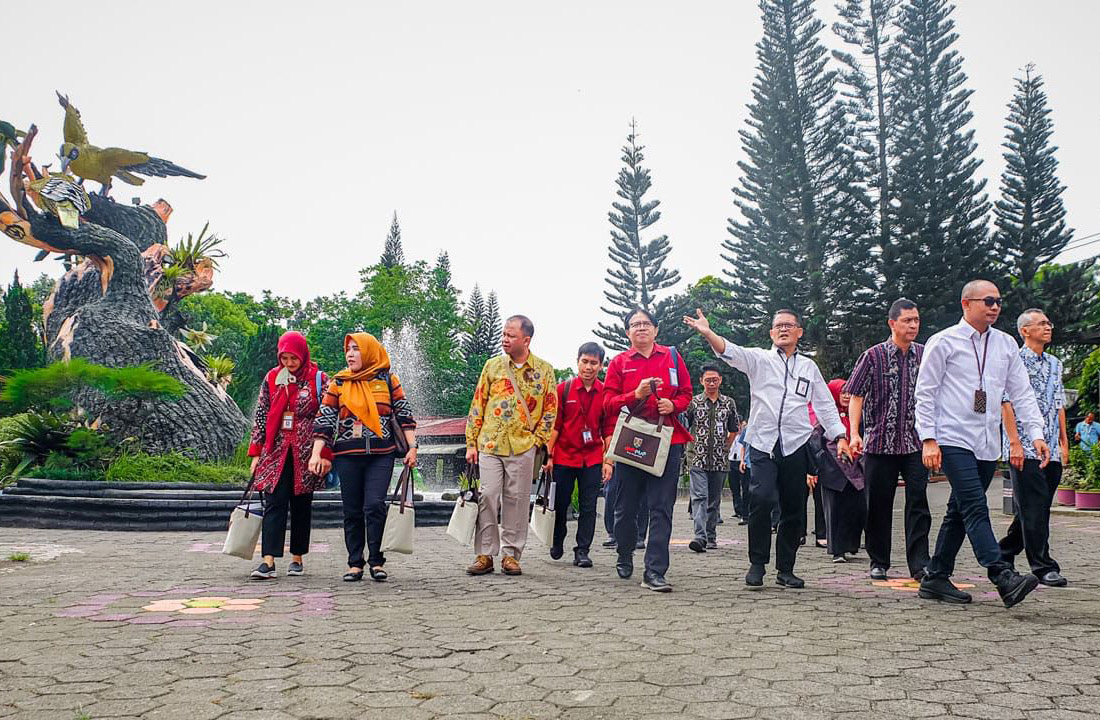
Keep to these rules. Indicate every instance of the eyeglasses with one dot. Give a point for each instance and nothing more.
(641, 324)
(784, 326)
(990, 301)
(1044, 323)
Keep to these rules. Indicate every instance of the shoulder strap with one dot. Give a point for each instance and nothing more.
(317, 382)
(521, 402)
(675, 364)
(565, 393)
(399, 439)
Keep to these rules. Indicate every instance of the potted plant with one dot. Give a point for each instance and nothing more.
(1087, 495)
(1072, 474)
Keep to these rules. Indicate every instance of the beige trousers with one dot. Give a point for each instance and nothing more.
(505, 491)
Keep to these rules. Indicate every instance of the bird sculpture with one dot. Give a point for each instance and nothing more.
(101, 164)
(9, 137)
(61, 196)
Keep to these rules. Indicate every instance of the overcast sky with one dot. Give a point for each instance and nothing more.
(492, 128)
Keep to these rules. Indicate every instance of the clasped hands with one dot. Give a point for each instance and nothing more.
(645, 389)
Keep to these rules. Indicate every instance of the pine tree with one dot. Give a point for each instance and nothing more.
(940, 219)
(802, 239)
(865, 28)
(1030, 228)
(393, 255)
(638, 273)
(493, 325)
(18, 341)
(473, 341)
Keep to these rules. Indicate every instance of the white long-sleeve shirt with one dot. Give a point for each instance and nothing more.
(781, 389)
(948, 378)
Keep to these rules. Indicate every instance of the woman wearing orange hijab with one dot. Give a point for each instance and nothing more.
(361, 411)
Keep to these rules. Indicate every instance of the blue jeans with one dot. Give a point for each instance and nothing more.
(967, 515)
(611, 496)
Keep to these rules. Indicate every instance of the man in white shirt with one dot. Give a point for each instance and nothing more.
(965, 372)
(782, 384)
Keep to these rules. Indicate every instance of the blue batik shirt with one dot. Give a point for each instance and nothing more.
(1045, 373)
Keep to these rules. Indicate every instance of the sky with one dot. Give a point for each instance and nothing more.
(493, 129)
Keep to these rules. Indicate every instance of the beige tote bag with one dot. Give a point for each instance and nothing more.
(463, 522)
(400, 518)
(640, 443)
(245, 524)
(543, 515)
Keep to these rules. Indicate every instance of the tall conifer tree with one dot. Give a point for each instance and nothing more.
(804, 228)
(393, 254)
(940, 220)
(637, 274)
(493, 325)
(19, 348)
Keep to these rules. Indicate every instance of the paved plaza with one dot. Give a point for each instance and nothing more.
(100, 625)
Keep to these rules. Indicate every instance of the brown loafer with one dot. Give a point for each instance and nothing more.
(483, 565)
(510, 566)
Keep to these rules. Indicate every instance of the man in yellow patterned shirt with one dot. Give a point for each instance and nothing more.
(503, 438)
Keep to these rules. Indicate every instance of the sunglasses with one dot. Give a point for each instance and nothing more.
(990, 301)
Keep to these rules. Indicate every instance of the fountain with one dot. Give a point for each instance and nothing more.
(441, 456)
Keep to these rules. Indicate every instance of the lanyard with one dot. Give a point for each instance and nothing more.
(585, 409)
(981, 363)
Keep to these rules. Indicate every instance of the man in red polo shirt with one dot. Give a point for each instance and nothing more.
(575, 451)
(629, 385)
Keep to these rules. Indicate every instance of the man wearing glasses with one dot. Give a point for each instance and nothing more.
(713, 422)
(1033, 486)
(965, 373)
(782, 384)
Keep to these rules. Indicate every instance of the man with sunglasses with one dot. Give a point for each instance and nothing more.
(965, 372)
(782, 384)
(1033, 486)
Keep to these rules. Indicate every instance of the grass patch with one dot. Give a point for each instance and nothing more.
(19, 556)
(173, 467)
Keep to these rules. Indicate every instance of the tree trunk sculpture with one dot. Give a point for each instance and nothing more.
(102, 311)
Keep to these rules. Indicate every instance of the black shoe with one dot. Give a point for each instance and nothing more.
(581, 559)
(940, 588)
(712, 545)
(743, 521)
(919, 574)
(1054, 579)
(625, 568)
(878, 573)
(264, 572)
(790, 580)
(720, 520)
(556, 552)
(802, 540)
(1014, 587)
(295, 568)
(640, 545)
(656, 583)
(755, 576)
(697, 546)
(839, 559)
(610, 542)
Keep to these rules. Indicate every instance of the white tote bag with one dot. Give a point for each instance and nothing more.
(463, 524)
(543, 515)
(245, 523)
(400, 518)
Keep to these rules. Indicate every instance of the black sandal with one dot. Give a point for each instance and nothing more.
(350, 576)
(378, 574)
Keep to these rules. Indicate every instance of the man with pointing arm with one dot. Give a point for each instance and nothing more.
(782, 384)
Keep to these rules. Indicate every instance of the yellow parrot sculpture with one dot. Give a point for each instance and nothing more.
(101, 164)
(61, 196)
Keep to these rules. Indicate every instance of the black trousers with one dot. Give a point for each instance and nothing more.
(1033, 490)
(638, 489)
(845, 512)
(364, 483)
(777, 481)
(820, 526)
(881, 473)
(587, 481)
(276, 505)
(611, 498)
(735, 482)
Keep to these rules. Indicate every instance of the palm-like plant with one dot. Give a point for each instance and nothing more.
(198, 340)
(189, 252)
(167, 282)
(219, 369)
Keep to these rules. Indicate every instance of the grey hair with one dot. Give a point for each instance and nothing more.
(972, 285)
(1025, 318)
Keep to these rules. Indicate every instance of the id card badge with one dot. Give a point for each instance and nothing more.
(357, 429)
(586, 436)
(802, 387)
(673, 377)
(979, 402)
(288, 421)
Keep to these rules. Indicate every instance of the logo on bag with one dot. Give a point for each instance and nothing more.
(639, 448)
(638, 442)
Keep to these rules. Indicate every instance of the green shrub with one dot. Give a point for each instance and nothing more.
(52, 387)
(1092, 475)
(172, 467)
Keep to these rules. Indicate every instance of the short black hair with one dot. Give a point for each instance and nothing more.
(591, 348)
(634, 311)
(709, 367)
(788, 311)
(899, 305)
(525, 324)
